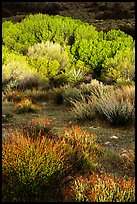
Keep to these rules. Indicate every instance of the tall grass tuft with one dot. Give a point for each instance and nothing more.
(118, 113)
(113, 104)
(82, 110)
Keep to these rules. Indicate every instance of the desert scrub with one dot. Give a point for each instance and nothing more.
(26, 106)
(71, 94)
(38, 126)
(36, 95)
(14, 96)
(101, 188)
(56, 94)
(28, 166)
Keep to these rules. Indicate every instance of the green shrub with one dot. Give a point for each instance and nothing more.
(121, 67)
(60, 80)
(101, 53)
(50, 59)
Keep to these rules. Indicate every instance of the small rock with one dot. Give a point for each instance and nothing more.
(114, 137)
(106, 143)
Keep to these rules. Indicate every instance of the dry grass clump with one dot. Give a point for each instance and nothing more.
(36, 95)
(126, 94)
(117, 113)
(128, 160)
(82, 110)
(113, 104)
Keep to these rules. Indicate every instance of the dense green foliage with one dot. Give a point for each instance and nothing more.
(63, 50)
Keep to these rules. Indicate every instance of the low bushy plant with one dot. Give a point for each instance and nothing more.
(101, 188)
(56, 94)
(35, 168)
(16, 70)
(26, 106)
(14, 96)
(28, 166)
(86, 158)
(38, 126)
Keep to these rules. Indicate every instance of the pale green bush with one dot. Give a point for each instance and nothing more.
(16, 69)
(49, 58)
